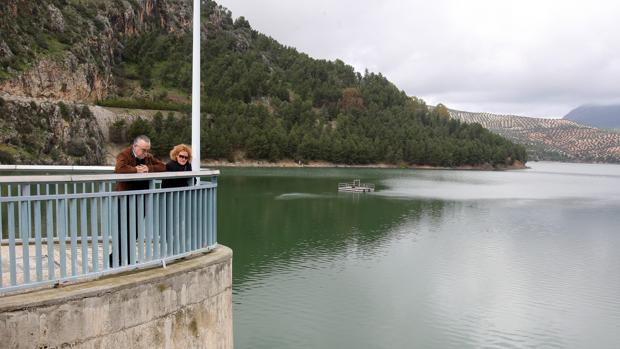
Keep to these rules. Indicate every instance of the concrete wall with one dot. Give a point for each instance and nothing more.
(186, 305)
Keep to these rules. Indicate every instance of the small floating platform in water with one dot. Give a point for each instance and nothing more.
(356, 187)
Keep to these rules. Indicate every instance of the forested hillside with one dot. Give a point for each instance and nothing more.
(261, 100)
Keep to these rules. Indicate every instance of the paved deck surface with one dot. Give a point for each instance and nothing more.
(32, 258)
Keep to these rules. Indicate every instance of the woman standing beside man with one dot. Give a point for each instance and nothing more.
(180, 160)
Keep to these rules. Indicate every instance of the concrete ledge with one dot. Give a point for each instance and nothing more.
(188, 304)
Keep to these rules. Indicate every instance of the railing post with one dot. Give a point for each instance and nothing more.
(148, 243)
(73, 233)
(1, 237)
(11, 230)
(183, 221)
(24, 230)
(177, 223)
(123, 228)
(116, 232)
(49, 229)
(200, 225)
(163, 225)
(105, 226)
(84, 234)
(133, 221)
(214, 211)
(61, 222)
(141, 227)
(156, 226)
(94, 231)
(169, 227)
(37, 238)
(194, 219)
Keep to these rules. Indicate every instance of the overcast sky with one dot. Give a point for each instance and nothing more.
(537, 58)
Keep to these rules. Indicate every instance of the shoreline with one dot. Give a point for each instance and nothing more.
(323, 164)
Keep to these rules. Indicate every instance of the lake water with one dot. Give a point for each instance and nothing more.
(432, 259)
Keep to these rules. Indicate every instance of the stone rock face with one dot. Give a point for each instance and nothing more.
(83, 71)
(57, 20)
(173, 16)
(45, 133)
(64, 79)
(5, 51)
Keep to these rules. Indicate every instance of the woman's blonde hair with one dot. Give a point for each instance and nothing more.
(179, 148)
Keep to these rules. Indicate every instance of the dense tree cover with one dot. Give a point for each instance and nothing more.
(157, 60)
(165, 132)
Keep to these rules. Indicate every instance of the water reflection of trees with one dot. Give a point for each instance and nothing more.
(311, 221)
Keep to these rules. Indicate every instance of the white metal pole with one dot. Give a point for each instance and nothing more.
(196, 88)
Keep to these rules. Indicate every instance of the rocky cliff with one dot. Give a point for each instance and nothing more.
(67, 50)
(39, 132)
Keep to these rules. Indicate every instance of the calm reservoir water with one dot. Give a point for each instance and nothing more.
(433, 259)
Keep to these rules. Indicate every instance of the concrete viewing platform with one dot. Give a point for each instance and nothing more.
(187, 304)
(173, 289)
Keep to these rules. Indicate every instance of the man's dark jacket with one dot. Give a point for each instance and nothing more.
(126, 162)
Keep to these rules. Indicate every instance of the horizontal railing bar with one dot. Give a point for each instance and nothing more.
(19, 179)
(143, 176)
(106, 177)
(202, 185)
(55, 168)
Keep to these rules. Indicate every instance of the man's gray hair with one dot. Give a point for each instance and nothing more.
(142, 138)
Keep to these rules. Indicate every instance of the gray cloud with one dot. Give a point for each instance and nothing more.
(527, 57)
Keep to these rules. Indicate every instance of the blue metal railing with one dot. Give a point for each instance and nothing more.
(60, 228)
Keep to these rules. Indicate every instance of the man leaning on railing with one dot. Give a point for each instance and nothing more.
(135, 159)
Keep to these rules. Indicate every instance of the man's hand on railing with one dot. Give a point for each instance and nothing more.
(142, 169)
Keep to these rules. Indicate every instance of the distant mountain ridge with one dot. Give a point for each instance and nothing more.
(602, 116)
(550, 139)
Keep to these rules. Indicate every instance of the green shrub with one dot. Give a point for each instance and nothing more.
(86, 113)
(56, 154)
(64, 111)
(146, 82)
(6, 157)
(65, 38)
(77, 147)
(99, 24)
(85, 10)
(140, 127)
(24, 127)
(118, 132)
(7, 154)
(41, 41)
